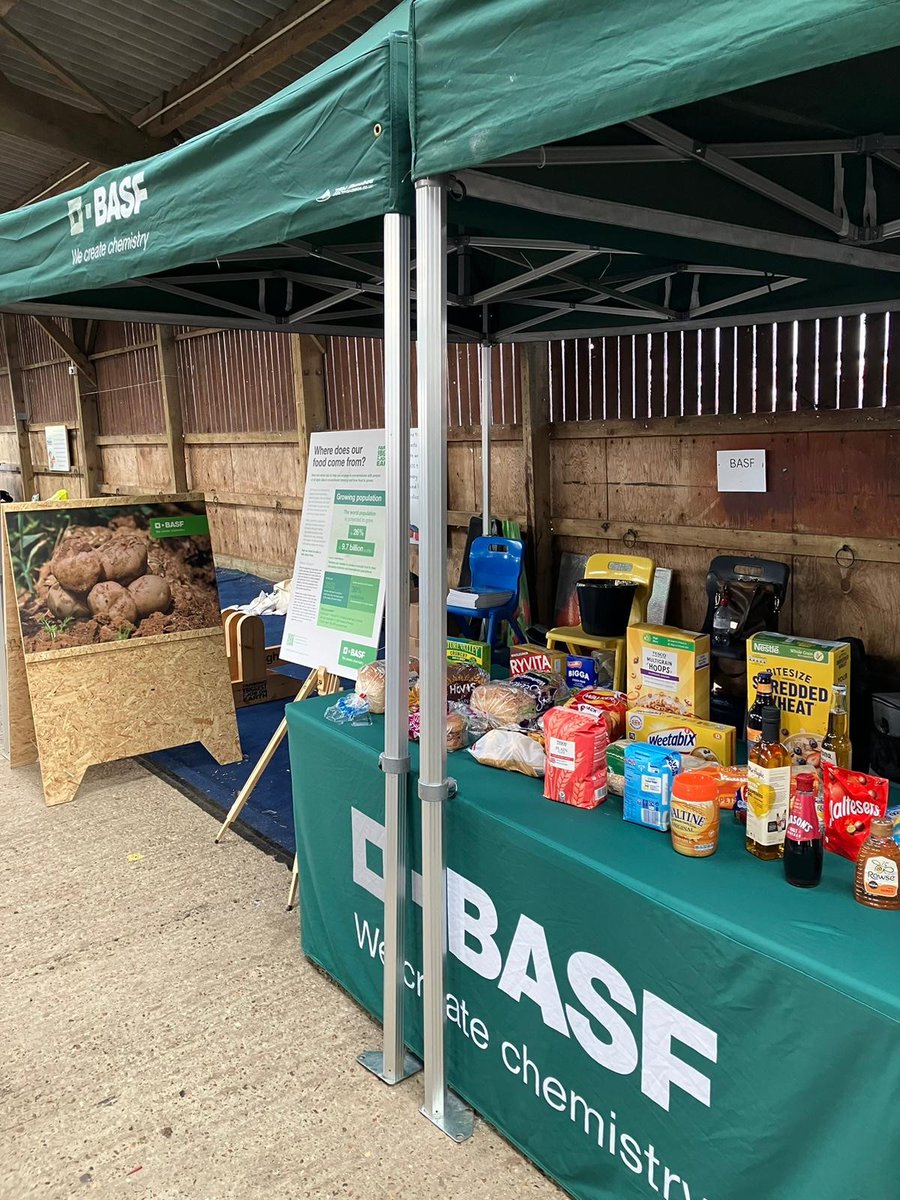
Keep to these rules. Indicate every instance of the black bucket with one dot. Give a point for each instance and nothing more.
(605, 605)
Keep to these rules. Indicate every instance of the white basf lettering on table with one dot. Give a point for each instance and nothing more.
(528, 975)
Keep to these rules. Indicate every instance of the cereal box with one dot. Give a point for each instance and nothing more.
(668, 670)
(803, 674)
(459, 650)
(686, 735)
(523, 659)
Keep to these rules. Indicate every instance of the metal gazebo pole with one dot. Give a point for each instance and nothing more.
(393, 1063)
(487, 408)
(441, 1107)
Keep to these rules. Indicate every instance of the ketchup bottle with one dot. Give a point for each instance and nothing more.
(803, 839)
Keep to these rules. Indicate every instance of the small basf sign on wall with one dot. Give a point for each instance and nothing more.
(741, 470)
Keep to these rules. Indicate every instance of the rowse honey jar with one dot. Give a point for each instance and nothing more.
(878, 867)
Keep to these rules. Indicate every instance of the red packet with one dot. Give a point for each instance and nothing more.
(851, 801)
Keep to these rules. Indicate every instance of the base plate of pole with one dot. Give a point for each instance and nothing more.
(458, 1121)
(373, 1060)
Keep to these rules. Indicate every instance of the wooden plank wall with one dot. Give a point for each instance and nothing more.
(820, 397)
(829, 485)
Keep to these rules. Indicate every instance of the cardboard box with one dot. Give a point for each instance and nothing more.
(668, 670)
(477, 653)
(536, 658)
(684, 735)
(803, 674)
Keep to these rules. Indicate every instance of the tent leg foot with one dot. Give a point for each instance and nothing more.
(373, 1060)
(457, 1120)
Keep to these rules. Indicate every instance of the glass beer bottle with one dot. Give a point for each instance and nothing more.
(768, 789)
(836, 747)
(763, 684)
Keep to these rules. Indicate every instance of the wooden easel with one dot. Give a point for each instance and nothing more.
(318, 680)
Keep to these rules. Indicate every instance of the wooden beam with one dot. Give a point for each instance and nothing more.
(308, 368)
(11, 34)
(90, 135)
(734, 425)
(10, 333)
(240, 439)
(300, 26)
(132, 439)
(741, 541)
(535, 377)
(68, 347)
(170, 388)
(87, 412)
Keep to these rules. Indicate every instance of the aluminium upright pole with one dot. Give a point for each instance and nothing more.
(441, 1107)
(392, 1063)
(487, 410)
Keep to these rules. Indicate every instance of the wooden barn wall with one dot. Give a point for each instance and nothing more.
(634, 424)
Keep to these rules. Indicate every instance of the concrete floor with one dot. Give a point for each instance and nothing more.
(161, 1036)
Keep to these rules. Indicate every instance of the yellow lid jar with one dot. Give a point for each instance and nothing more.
(694, 820)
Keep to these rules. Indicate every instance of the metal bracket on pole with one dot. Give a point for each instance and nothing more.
(437, 793)
(394, 766)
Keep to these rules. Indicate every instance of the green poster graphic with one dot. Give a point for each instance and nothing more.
(187, 526)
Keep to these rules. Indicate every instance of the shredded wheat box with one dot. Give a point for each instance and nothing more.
(668, 671)
(684, 735)
(803, 674)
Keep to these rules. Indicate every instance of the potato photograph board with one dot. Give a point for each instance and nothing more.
(88, 574)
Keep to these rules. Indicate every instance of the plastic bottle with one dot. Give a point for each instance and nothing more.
(694, 814)
(803, 839)
(721, 623)
(768, 789)
(878, 867)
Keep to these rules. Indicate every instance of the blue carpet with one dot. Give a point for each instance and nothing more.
(268, 812)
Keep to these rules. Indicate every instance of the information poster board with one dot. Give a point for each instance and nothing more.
(57, 442)
(337, 591)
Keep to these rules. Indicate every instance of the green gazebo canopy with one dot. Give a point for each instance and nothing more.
(616, 168)
(233, 226)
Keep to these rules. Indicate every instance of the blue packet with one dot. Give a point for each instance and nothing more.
(649, 772)
(581, 672)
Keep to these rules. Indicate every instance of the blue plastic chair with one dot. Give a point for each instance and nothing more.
(495, 564)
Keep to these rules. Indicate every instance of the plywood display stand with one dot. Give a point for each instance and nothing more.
(318, 680)
(254, 679)
(75, 708)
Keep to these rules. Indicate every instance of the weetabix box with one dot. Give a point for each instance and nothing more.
(686, 735)
(668, 671)
(803, 673)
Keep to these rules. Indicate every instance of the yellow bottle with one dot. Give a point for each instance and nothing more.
(768, 789)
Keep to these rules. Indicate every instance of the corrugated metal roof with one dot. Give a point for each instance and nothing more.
(130, 53)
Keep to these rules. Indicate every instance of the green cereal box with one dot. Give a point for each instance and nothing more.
(478, 654)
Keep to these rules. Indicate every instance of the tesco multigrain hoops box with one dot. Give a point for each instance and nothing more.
(803, 673)
(668, 671)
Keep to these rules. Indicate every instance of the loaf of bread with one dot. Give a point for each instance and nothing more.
(462, 679)
(504, 704)
(370, 682)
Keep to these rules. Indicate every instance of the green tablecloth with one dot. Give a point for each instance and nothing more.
(638, 1023)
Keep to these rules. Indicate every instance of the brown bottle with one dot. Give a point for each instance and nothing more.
(768, 788)
(836, 747)
(878, 867)
(763, 684)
